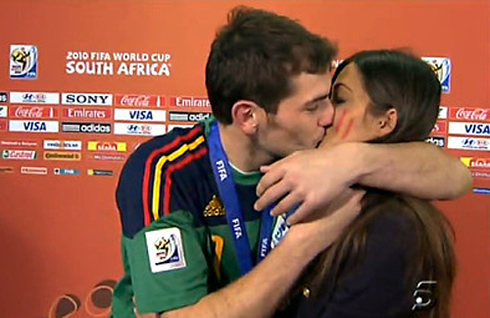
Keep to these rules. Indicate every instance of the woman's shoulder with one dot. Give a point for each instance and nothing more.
(393, 215)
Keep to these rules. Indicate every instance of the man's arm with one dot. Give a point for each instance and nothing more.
(259, 293)
(312, 178)
(419, 169)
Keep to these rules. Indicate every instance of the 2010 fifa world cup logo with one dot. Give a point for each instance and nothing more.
(23, 62)
(23, 58)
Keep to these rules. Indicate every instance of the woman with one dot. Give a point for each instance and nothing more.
(397, 258)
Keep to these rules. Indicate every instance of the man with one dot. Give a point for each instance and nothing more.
(190, 233)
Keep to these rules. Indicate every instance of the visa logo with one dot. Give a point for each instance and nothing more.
(141, 115)
(46, 126)
(477, 129)
(34, 126)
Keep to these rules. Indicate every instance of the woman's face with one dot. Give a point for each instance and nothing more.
(352, 120)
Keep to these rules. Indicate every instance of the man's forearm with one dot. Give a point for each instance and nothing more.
(417, 168)
(258, 293)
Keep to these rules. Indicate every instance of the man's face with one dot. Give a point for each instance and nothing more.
(301, 118)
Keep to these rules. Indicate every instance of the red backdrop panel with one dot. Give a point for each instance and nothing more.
(60, 233)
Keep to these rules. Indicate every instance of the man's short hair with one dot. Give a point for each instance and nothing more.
(254, 56)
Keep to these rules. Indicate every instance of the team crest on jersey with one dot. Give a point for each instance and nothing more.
(214, 208)
(165, 249)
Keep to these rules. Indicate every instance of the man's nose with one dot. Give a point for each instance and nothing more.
(326, 118)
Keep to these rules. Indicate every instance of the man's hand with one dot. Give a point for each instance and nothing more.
(311, 178)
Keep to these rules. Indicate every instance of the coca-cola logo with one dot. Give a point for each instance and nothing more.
(33, 112)
(36, 112)
(467, 113)
(137, 100)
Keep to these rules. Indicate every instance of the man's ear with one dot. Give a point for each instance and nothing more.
(387, 122)
(244, 114)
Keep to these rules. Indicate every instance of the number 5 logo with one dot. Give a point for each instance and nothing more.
(422, 295)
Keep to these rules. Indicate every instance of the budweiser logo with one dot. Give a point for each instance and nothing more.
(463, 113)
(137, 100)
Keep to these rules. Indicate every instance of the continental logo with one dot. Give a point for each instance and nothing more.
(214, 208)
(107, 146)
(62, 155)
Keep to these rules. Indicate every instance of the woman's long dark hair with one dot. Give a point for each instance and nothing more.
(394, 79)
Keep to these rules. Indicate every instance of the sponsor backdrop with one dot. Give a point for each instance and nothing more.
(83, 83)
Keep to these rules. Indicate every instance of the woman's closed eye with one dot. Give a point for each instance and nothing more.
(337, 100)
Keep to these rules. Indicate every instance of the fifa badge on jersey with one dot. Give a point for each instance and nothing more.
(23, 62)
(442, 67)
(165, 249)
